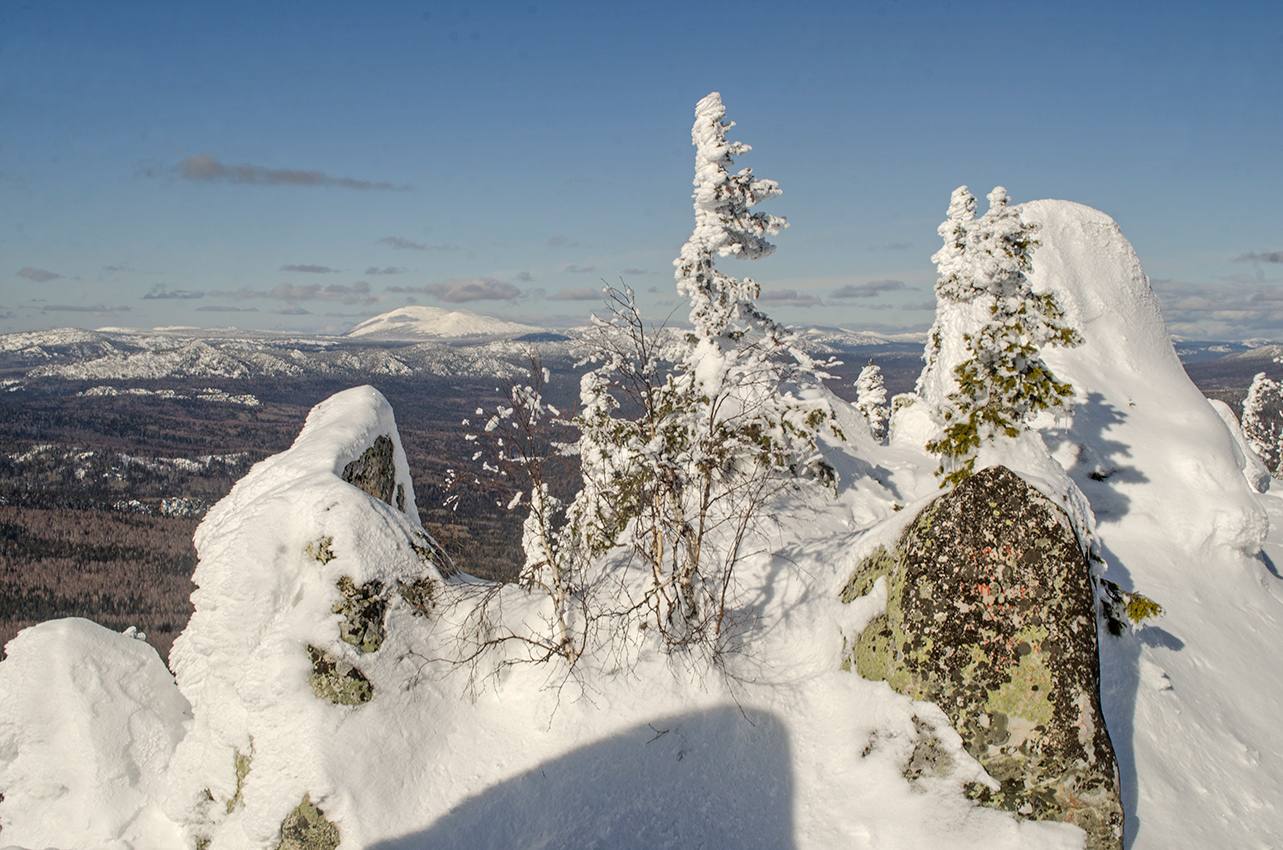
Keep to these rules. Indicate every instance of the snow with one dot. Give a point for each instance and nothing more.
(1254, 469)
(1191, 700)
(88, 720)
(420, 322)
(99, 746)
(463, 347)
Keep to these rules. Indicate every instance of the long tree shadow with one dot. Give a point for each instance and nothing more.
(719, 778)
(1099, 465)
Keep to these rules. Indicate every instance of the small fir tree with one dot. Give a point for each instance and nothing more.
(871, 399)
(1003, 381)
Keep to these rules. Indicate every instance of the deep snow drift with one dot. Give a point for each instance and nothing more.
(783, 749)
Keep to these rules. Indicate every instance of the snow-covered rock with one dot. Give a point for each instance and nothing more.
(89, 719)
(276, 686)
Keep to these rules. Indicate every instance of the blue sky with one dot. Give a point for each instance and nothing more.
(305, 165)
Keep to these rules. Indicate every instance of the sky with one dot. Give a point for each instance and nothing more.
(303, 166)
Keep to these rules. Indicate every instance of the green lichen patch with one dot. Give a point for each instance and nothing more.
(866, 573)
(990, 614)
(241, 763)
(337, 680)
(319, 550)
(419, 594)
(306, 828)
(362, 609)
(871, 654)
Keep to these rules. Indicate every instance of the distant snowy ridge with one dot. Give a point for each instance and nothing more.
(1265, 354)
(840, 338)
(134, 359)
(206, 394)
(417, 322)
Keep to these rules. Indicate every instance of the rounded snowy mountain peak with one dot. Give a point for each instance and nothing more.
(421, 322)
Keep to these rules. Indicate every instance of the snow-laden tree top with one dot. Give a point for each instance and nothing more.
(724, 226)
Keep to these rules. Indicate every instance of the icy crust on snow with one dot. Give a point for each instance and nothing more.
(88, 721)
(272, 554)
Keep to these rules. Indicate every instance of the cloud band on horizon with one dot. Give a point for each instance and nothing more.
(206, 168)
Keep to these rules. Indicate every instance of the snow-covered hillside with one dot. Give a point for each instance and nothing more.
(418, 322)
(774, 746)
(122, 355)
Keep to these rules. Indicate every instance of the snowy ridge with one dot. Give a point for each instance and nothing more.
(1185, 698)
(418, 322)
(1267, 354)
(133, 358)
(839, 339)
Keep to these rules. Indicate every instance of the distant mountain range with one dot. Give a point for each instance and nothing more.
(406, 341)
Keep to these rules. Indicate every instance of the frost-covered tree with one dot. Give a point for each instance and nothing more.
(871, 399)
(1000, 380)
(1262, 424)
(674, 458)
(683, 437)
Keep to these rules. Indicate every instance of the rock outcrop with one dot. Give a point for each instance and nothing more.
(991, 615)
(375, 473)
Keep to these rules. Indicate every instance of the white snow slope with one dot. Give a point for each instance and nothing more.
(783, 750)
(1192, 701)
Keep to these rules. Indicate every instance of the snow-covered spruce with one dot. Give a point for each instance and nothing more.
(685, 481)
(985, 377)
(871, 399)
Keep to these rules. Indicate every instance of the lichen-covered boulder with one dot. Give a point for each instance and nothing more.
(337, 679)
(991, 615)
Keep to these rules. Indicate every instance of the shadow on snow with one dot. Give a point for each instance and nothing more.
(719, 778)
